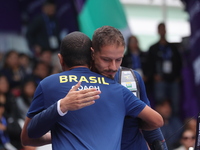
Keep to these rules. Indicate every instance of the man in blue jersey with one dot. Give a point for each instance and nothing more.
(132, 136)
(97, 126)
(107, 60)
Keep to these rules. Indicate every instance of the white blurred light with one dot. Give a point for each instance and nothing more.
(175, 29)
(175, 3)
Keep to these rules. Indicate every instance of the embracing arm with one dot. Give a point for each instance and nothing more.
(26, 141)
(153, 135)
(42, 123)
(150, 119)
(72, 101)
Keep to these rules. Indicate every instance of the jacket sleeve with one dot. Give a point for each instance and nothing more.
(43, 122)
(150, 136)
(155, 135)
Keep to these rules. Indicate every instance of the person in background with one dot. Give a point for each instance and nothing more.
(46, 56)
(40, 70)
(134, 57)
(43, 32)
(51, 60)
(172, 127)
(5, 141)
(13, 71)
(26, 63)
(164, 68)
(4, 137)
(23, 102)
(10, 127)
(191, 123)
(187, 140)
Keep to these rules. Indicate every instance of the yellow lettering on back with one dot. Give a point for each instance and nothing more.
(99, 79)
(104, 82)
(73, 78)
(63, 79)
(83, 78)
(93, 79)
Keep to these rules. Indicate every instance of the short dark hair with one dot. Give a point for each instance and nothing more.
(75, 49)
(107, 35)
(161, 24)
(48, 2)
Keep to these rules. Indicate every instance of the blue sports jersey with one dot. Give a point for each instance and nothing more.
(132, 136)
(96, 127)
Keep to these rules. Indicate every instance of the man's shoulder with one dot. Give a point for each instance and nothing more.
(37, 19)
(50, 78)
(153, 46)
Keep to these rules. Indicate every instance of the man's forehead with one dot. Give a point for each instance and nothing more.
(112, 49)
(111, 53)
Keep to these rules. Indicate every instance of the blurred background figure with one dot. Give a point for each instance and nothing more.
(134, 57)
(43, 31)
(5, 94)
(191, 123)
(26, 63)
(13, 71)
(40, 70)
(46, 56)
(5, 97)
(164, 68)
(13, 110)
(172, 127)
(187, 140)
(51, 59)
(23, 102)
(4, 137)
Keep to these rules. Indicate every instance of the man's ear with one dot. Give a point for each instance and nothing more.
(61, 59)
(92, 53)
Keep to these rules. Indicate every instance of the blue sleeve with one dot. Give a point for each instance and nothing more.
(37, 104)
(133, 105)
(142, 88)
(150, 136)
(43, 122)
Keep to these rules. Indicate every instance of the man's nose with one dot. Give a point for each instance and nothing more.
(112, 65)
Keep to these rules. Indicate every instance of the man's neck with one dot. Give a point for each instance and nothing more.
(84, 66)
(163, 41)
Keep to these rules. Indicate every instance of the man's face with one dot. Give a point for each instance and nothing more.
(162, 30)
(108, 60)
(49, 9)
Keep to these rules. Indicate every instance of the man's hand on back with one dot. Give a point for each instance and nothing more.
(75, 100)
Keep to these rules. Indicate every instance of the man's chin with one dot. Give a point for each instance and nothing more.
(109, 76)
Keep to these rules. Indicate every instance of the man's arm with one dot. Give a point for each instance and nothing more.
(41, 123)
(26, 141)
(72, 101)
(150, 119)
(153, 135)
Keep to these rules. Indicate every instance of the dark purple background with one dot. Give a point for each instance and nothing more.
(191, 94)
